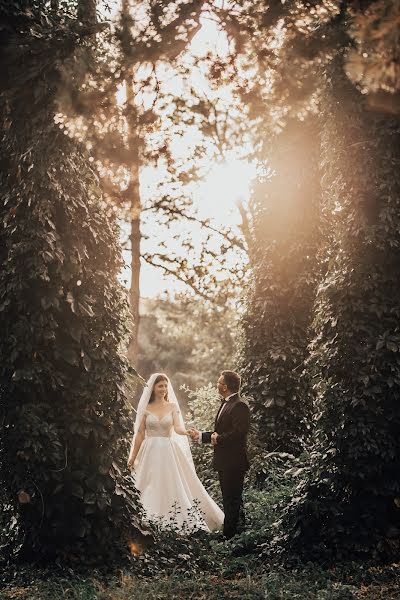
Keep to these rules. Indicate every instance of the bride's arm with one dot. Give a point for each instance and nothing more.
(136, 443)
(177, 424)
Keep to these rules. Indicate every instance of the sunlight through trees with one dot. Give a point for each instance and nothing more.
(249, 151)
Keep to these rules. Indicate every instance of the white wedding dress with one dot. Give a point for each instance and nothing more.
(165, 476)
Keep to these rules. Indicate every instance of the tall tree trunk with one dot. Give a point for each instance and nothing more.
(133, 192)
(87, 11)
(135, 238)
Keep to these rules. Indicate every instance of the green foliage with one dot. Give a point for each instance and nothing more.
(63, 313)
(63, 320)
(291, 43)
(348, 504)
(203, 405)
(194, 350)
(280, 296)
(339, 582)
(141, 136)
(372, 62)
(200, 565)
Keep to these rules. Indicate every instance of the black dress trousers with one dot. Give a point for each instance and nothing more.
(231, 482)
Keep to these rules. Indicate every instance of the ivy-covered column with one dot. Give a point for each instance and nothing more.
(64, 426)
(350, 501)
(280, 295)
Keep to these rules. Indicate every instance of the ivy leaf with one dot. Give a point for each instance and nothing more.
(70, 356)
(86, 309)
(76, 330)
(71, 300)
(77, 490)
(392, 346)
(87, 363)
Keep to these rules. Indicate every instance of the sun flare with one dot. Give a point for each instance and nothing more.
(227, 184)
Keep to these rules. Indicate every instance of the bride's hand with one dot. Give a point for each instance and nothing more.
(194, 434)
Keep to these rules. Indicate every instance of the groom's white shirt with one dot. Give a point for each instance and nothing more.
(226, 400)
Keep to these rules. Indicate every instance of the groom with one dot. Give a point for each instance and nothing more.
(230, 456)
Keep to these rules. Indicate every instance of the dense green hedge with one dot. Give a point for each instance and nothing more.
(280, 297)
(63, 319)
(349, 502)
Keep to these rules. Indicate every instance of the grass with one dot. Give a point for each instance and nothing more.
(210, 571)
(348, 582)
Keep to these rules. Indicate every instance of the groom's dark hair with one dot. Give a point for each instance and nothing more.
(232, 380)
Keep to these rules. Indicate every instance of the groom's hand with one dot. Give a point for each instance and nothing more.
(214, 438)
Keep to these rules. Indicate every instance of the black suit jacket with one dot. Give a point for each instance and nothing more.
(232, 428)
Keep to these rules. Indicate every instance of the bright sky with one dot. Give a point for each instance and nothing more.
(215, 198)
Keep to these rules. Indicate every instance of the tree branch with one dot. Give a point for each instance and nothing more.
(198, 292)
(178, 212)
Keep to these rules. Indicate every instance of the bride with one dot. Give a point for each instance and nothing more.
(161, 458)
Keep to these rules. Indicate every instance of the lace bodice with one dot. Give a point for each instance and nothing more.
(159, 427)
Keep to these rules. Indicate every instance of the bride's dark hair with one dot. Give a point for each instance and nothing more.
(160, 377)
